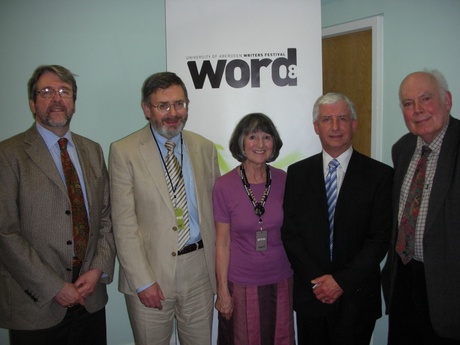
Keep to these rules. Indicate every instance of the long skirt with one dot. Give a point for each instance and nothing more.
(262, 315)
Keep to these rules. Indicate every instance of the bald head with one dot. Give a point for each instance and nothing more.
(425, 103)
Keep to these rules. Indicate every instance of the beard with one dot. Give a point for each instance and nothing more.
(167, 130)
(57, 121)
(56, 115)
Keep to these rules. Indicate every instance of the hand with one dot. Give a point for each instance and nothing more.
(224, 305)
(327, 289)
(69, 296)
(86, 283)
(152, 297)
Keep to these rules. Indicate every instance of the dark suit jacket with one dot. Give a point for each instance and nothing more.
(441, 242)
(35, 227)
(361, 235)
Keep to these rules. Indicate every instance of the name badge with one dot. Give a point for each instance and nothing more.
(261, 240)
(179, 218)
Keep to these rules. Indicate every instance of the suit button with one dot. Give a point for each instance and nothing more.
(175, 228)
(67, 212)
(173, 254)
(68, 269)
(69, 243)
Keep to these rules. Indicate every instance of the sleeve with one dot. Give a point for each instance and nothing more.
(104, 258)
(294, 224)
(128, 237)
(18, 257)
(219, 203)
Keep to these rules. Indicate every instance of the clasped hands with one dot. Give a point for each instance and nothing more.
(326, 289)
(76, 293)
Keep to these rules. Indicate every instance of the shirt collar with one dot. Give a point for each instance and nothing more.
(161, 140)
(50, 138)
(435, 145)
(343, 159)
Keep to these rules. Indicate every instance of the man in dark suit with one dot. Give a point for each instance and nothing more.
(335, 245)
(422, 273)
(53, 291)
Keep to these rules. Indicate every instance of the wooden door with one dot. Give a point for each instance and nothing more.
(347, 68)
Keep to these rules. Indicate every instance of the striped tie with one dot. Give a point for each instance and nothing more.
(331, 194)
(176, 189)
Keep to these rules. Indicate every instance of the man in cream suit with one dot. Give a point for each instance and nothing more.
(162, 279)
(48, 295)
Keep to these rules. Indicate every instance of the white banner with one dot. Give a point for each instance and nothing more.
(237, 57)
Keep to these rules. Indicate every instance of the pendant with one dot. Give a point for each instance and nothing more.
(259, 210)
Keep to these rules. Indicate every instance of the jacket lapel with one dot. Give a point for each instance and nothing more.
(353, 176)
(154, 163)
(317, 185)
(85, 162)
(39, 154)
(442, 177)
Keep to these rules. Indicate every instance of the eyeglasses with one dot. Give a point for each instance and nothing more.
(48, 92)
(164, 107)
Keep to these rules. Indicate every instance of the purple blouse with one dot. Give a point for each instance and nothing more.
(232, 206)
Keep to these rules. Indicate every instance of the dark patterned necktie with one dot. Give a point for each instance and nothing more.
(405, 245)
(331, 195)
(80, 227)
(176, 187)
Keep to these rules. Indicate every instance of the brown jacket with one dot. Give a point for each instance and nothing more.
(35, 227)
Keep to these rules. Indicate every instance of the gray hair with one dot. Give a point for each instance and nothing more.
(332, 98)
(252, 123)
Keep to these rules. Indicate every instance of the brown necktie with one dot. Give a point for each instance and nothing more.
(79, 216)
(405, 245)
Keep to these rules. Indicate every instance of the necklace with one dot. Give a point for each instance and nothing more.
(259, 206)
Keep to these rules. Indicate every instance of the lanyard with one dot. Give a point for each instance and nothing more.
(259, 207)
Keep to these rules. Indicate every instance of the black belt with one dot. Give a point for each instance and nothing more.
(191, 248)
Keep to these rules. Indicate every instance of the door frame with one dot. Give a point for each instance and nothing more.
(374, 23)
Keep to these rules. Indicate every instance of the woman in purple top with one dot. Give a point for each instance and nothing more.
(254, 277)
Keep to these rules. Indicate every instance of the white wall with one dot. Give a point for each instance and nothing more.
(113, 45)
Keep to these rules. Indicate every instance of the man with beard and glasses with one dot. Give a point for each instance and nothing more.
(161, 187)
(52, 277)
